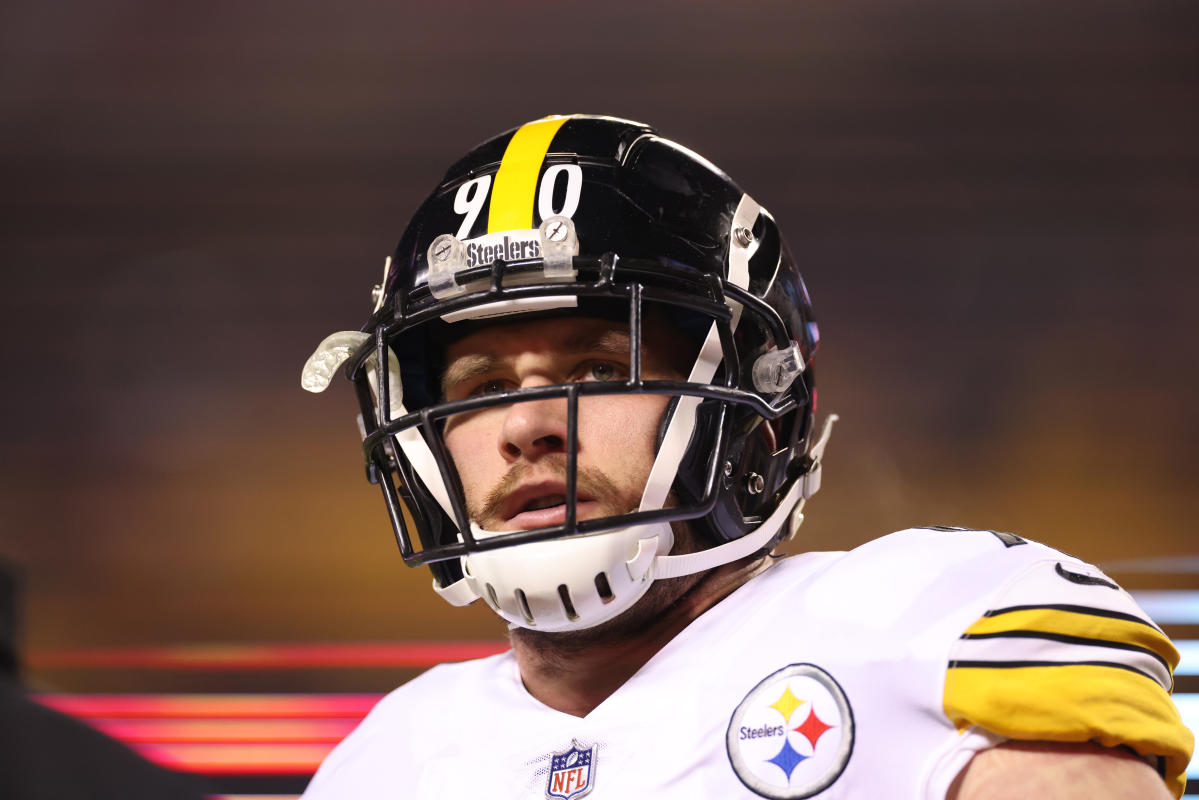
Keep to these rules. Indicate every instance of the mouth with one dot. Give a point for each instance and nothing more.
(541, 505)
(549, 501)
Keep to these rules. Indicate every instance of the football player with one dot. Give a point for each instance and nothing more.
(587, 396)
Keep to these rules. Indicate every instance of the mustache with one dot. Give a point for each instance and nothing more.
(588, 481)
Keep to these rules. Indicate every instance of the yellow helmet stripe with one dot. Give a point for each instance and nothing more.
(516, 179)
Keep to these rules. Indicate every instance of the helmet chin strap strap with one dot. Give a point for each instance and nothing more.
(668, 566)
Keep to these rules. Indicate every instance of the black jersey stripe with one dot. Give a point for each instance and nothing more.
(1067, 639)
(1091, 610)
(1023, 664)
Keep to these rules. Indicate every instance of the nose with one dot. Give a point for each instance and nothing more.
(534, 428)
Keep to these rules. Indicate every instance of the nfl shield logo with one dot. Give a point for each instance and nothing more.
(571, 773)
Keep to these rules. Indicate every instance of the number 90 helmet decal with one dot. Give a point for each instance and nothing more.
(590, 216)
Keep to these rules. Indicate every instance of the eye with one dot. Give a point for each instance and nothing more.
(601, 371)
(489, 387)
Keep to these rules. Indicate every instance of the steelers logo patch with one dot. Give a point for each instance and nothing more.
(792, 735)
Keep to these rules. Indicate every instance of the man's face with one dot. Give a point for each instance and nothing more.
(512, 458)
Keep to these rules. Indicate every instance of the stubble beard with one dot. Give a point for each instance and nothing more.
(589, 482)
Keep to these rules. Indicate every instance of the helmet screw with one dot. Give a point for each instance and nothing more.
(728, 469)
(556, 231)
(744, 236)
(442, 251)
(755, 483)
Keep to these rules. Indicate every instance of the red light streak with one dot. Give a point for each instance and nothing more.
(264, 734)
(226, 731)
(269, 657)
(212, 706)
(238, 759)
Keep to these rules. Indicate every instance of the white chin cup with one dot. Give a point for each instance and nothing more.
(557, 586)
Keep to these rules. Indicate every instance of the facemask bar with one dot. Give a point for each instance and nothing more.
(426, 421)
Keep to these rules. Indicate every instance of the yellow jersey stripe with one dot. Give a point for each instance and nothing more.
(516, 180)
(1080, 624)
(1073, 703)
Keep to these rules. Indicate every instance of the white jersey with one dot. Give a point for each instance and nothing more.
(873, 673)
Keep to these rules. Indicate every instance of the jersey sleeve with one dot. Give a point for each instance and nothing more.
(1063, 654)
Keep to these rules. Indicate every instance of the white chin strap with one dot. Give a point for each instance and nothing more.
(567, 584)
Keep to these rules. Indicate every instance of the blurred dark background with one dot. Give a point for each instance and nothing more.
(996, 207)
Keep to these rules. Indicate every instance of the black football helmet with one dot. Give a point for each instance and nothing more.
(591, 215)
